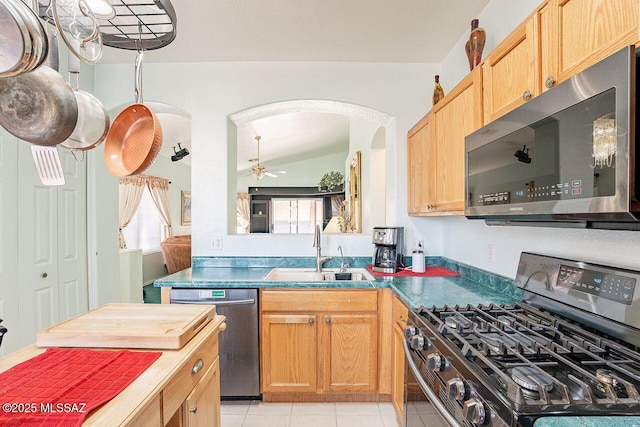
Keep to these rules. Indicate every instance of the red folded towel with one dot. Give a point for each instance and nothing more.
(429, 271)
(61, 386)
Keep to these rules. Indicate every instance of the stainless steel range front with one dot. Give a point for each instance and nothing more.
(569, 348)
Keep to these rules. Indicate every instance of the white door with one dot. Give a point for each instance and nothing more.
(9, 241)
(52, 254)
(72, 238)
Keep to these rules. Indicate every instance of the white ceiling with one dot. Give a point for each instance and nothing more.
(421, 31)
(291, 137)
(312, 30)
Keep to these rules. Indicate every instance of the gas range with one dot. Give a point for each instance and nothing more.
(569, 348)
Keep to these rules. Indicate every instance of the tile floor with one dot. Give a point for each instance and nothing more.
(347, 414)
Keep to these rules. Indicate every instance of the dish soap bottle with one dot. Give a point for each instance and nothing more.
(438, 93)
(417, 260)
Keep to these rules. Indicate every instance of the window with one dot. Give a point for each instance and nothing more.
(293, 216)
(145, 231)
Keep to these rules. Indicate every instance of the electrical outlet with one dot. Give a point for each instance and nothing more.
(216, 243)
(491, 253)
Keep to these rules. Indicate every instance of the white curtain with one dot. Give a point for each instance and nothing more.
(159, 189)
(130, 193)
(243, 212)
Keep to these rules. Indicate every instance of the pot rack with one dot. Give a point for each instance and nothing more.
(150, 22)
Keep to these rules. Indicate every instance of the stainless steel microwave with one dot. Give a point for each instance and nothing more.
(565, 158)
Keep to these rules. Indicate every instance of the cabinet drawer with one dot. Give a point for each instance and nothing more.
(399, 313)
(319, 300)
(184, 381)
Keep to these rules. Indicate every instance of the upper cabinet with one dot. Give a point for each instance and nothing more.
(509, 73)
(421, 167)
(558, 40)
(435, 150)
(583, 32)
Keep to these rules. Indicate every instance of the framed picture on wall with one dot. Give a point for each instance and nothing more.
(186, 207)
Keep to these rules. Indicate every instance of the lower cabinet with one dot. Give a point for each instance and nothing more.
(399, 315)
(349, 352)
(192, 396)
(202, 406)
(319, 342)
(289, 353)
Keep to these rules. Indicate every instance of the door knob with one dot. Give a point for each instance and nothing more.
(193, 410)
(44, 275)
(526, 95)
(328, 320)
(310, 320)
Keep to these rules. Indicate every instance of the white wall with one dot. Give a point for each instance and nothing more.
(466, 241)
(213, 91)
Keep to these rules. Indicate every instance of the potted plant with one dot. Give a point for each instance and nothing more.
(331, 180)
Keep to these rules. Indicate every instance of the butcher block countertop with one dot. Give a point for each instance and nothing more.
(143, 402)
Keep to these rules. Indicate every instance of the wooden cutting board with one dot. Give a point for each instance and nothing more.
(158, 326)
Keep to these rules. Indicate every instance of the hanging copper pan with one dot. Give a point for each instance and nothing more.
(135, 137)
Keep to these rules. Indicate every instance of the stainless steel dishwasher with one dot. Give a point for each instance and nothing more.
(239, 351)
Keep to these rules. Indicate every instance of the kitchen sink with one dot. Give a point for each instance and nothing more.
(310, 275)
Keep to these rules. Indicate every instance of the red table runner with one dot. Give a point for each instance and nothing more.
(61, 386)
(428, 272)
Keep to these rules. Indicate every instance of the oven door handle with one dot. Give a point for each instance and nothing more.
(431, 395)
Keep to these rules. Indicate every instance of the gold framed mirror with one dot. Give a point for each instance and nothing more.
(355, 195)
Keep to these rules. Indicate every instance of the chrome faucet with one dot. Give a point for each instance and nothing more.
(343, 266)
(316, 244)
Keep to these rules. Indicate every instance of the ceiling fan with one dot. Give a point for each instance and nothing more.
(258, 170)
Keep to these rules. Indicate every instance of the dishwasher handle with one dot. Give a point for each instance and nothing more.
(231, 302)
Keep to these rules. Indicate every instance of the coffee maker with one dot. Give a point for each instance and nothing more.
(387, 253)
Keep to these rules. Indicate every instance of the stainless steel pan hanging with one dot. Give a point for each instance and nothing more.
(38, 106)
(93, 119)
(23, 41)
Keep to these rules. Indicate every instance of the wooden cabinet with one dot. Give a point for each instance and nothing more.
(350, 352)
(319, 343)
(289, 356)
(421, 167)
(400, 313)
(436, 150)
(584, 32)
(559, 39)
(202, 407)
(509, 73)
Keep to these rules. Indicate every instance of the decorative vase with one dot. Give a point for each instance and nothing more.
(438, 93)
(475, 45)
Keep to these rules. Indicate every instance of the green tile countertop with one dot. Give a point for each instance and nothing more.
(616, 421)
(414, 291)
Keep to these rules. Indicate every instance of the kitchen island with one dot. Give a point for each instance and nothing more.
(181, 388)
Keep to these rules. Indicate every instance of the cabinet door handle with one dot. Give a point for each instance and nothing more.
(193, 410)
(311, 320)
(526, 95)
(197, 367)
(549, 82)
(327, 320)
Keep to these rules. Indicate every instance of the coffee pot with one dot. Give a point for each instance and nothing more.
(387, 253)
